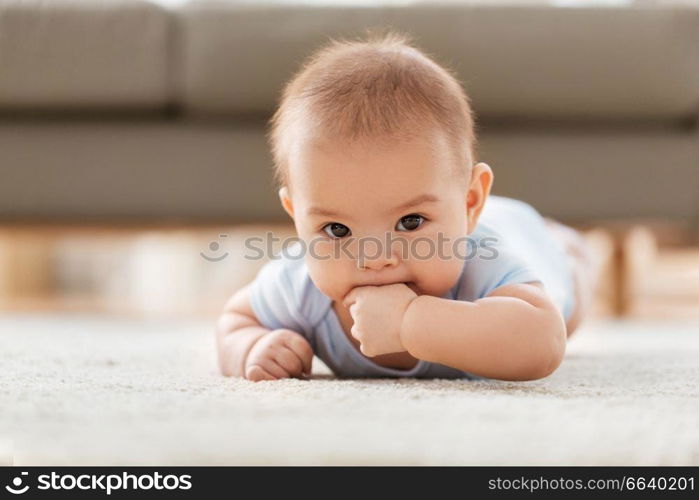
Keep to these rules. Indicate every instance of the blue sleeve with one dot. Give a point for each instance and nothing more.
(514, 275)
(491, 268)
(282, 296)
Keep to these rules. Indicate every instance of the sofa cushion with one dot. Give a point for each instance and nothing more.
(97, 170)
(82, 54)
(237, 56)
(527, 61)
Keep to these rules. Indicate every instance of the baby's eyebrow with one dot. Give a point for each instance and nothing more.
(418, 200)
(322, 212)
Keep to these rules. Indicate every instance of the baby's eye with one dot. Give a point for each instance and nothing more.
(410, 222)
(336, 230)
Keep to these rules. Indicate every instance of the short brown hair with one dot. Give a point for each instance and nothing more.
(375, 87)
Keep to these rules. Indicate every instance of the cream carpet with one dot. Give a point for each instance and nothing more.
(77, 389)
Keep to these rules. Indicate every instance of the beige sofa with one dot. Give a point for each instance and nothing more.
(129, 108)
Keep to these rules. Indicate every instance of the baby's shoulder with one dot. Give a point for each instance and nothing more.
(285, 282)
(495, 258)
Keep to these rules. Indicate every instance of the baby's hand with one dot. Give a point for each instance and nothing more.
(377, 312)
(281, 353)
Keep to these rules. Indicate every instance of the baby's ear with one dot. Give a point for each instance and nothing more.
(478, 191)
(286, 201)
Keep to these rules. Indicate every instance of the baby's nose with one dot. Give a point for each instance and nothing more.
(375, 264)
(376, 258)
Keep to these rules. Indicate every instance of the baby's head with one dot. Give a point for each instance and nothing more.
(373, 147)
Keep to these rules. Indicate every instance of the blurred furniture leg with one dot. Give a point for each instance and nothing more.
(635, 251)
(25, 265)
(602, 246)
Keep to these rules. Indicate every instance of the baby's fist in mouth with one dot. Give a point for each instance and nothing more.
(377, 312)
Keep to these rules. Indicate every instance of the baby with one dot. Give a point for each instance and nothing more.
(405, 265)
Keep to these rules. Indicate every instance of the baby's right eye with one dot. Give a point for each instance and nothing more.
(336, 230)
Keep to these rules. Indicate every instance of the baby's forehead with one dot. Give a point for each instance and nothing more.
(359, 177)
(365, 165)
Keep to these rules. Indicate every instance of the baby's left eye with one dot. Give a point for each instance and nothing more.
(410, 222)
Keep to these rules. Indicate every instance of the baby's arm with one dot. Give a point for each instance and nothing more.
(248, 349)
(515, 333)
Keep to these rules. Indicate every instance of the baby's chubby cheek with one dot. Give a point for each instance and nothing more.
(330, 277)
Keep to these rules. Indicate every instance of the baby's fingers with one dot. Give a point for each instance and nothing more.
(290, 361)
(267, 370)
(303, 350)
(257, 373)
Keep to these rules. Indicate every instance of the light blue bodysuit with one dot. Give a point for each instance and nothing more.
(513, 246)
